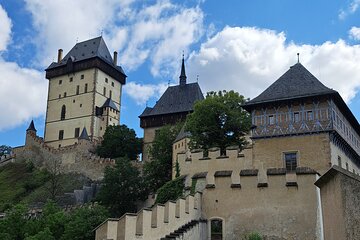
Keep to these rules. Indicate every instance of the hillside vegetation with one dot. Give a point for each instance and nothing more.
(23, 183)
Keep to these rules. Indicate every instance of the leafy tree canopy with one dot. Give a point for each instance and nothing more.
(171, 190)
(159, 169)
(120, 141)
(218, 121)
(5, 150)
(122, 187)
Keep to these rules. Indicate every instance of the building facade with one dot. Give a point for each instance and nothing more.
(84, 91)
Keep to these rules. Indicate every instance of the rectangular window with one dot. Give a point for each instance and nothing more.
(106, 80)
(296, 117)
(339, 161)
(290, 161)
(82, 76)
(77, 132)
(64, 94)
(112, 84)
(104, 92)
(310, 115)
(86, 87)
(347, 166)
(61, 134)
(77, 89)
(110, 94)
(271, 119)
(71, 79)
(60, 82)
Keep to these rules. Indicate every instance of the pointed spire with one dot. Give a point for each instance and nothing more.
(31, 126)
(84, 135)
(183, 74)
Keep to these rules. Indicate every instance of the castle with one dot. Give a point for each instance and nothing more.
(303, 133)
(297, 178)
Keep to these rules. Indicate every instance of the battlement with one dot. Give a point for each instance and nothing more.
(152, 223)
(248, 178)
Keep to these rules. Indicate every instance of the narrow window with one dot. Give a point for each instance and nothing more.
(82, 76)
(61, 134)
(104, 92)
(110, 94)
(60, 82)
(63, 112)
(59, 95)
(77, 89)
(74, 101)
(271, 120)
(339, 161)
(64, 94)
(106, 80)
(77, 132)
(80, 104)
(347, 166)
(112, 84)
(86, 87)
(71, 79)
(290, 161)
(216, 228)
(310, 115)
(296, 117)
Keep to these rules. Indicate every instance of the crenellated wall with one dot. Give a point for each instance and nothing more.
(152, 223)
(73, 158)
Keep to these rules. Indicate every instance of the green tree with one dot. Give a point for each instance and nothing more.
(5, 150)
(218, 121)
(158, 170)
(42, 235)
(13, 225)
(171, 190)
(122, 187)
(83, 221)
(120, 141)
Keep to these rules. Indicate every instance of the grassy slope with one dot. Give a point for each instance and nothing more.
(21, 183)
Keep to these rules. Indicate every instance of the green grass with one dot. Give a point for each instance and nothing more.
(21, 182)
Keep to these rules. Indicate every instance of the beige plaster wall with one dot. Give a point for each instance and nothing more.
(149, 135)
(276, 211)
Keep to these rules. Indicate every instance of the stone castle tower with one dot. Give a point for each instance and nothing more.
(84, 93)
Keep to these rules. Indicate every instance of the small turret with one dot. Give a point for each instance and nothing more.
(31, 127)
(30, 133)
(84, 135)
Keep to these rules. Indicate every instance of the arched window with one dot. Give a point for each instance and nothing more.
(216, 229)
(63, 112)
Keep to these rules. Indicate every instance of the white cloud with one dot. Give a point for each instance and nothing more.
(5, 29)
(352, 8)
(355, 33)
(142, 92)
(249, 59)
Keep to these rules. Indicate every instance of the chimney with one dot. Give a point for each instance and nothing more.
(60, 52)
(115, 58)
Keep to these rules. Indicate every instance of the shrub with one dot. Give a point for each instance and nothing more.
(253, 236)
(171, 190)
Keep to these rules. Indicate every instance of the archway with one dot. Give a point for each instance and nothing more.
(216, 229)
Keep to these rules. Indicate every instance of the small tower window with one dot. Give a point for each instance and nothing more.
(290, 161)
(77, 89)
(310, 115)
(71, 79)
(112, 84)
(60, 82)
(77, 132)
(64, 94)
(271, 120)
(106, 80)
(296, 117)
(80, 105)
(86, 87)
(63, 112)
(82, 76)
(104, 92)
(61, 134)
(339, 161)
(59, 95)
(110, 94)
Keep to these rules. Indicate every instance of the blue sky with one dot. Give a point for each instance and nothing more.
(240, 45)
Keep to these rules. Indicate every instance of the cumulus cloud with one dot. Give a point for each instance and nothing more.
(355, 33)
(142, 92)
(5, 29)
(249, 59)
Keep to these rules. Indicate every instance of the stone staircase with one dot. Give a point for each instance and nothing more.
(182, 217)
(187, 231)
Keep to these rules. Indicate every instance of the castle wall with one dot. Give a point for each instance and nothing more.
(276, 211)
(341, 159)
(149, 136)
(340, 201)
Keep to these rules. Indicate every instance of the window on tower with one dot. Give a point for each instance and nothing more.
(61, 134)
(60, 82)
(63, 112)
(290, 161)
(110, 94)
(71, 79)
(86, 87)
(104, 92)
(112, 84)
(82, 76)
(77, 89)
(77, 132)
(106, 80)
(296, 117)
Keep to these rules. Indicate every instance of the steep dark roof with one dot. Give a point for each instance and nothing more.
(182, 134)
(176, 99)
(182, 74)
(88, 49)
(84, 135)
(297, 82)
(110, 103)
(31, 126)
